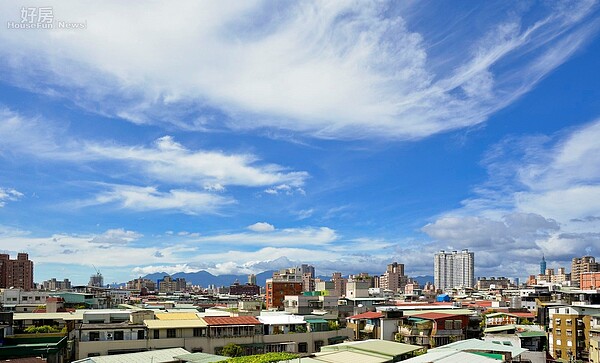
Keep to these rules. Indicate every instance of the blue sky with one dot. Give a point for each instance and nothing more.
(256, 135)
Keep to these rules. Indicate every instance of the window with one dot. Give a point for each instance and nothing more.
(171, 333)
(457, 324)
(118, 335)
(140, 334)
(302, 347)
(318, 345)
(199, 332)
(94, 336)
(448, 325)
(157, 334)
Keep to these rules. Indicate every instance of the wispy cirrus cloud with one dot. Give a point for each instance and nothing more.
(151, 199)
(195, 180)
(314, 236)
(337, 70)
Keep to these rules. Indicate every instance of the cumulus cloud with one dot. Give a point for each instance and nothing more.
(261, 227)
(169, 269)
(331, 70)
(542, 197)
(9, 195)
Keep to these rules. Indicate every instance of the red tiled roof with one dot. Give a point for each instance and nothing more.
(231, 320)
(367, 315)
(479, 303)
(524, 315)
(434, 316)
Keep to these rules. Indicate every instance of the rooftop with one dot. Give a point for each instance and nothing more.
(231, 320)
(367, 315)
(155, 356)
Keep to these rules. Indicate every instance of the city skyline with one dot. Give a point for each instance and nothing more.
(253, 137)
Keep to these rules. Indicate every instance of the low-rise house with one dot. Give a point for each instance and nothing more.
(433, 329)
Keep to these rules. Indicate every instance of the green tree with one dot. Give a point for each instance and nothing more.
(232, 350)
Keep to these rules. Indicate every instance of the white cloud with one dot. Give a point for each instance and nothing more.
(149, 198)
(316, 236)
(9, 195)
(169, 269)
(117, 236)
(261, 227)
(285, 189)
(542, 197)
(332, 70)
(165, 161)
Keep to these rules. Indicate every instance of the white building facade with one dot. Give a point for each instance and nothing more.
(454, 269)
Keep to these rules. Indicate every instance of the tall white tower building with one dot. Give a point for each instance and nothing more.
(454, 269)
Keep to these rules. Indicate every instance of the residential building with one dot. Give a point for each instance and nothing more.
(375, 324)
(363, 276)
(276, 292)
(16, 273)
(357, 289)
(54, 284)
(492, 283)
(115, 332)
(433, 329)
(246, 289)
(141, 284)
(454, 269)
(589, 281)
(339, 284)
(580, 265)
(308, 304)
(569, 331)
(168, 284)
(393, 278)
(10, 298)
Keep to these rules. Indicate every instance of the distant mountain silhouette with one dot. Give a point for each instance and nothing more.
(204, 278)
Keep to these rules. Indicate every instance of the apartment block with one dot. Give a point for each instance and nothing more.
(454, 269)
(169, 284)
(569, 331)
(393, 278)
(589, 281)
(484, 283)
(116, 332)
(581, 265)
(277, 290)
(54, 284)
(16, 273)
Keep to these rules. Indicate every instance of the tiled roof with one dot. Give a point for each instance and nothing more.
(434, 316)
(231, 320)
(368, 315)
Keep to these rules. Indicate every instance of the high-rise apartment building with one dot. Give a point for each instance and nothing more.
(580, 265)
(393, 278)
(454, 269)
(16, 273)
